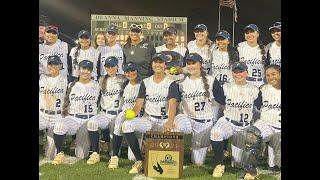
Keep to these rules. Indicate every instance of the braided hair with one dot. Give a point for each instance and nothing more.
(205, 83)
(66, 104)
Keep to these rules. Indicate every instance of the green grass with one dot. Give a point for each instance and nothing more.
(81, 171)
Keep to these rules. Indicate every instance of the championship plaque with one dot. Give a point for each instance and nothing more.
(164, 154)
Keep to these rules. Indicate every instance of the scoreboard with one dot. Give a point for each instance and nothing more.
(153, 27)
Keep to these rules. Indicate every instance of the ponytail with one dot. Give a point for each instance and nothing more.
(262, 50)
(76, 54)
(205, 83)
(66, 104)
(104, 84)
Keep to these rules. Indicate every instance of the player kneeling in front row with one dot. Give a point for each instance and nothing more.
(267, 128)
(160, 95)
(198, 106)
(130, 93)
(239, 97)
(80, 105)
(52, 90)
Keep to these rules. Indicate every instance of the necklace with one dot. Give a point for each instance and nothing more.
(132, 50)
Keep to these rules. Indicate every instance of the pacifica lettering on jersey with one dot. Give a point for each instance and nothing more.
(192, 95)
(268, 105)
(240, 105)
(86, 97)
(253, 61)
(220, 66)
(112, 92)
(156, 99)
(44, 57)
(129, 101)
(52, 91)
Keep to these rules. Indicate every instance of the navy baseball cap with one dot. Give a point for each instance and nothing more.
(160, 56)
(54, 60)
(86, 64)
(239, 66)
(112, 28)
(111, 61)
(194, 57)
(276, 25)
(252, 27)
(223, 34)
(170, 30)
(136, 27)
(84, 33)
(201, 27)
(129, 67)
(51, 28)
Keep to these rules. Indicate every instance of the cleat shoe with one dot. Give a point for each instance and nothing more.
(113, 162)
(249, 176)
(94, 158)
(58, 159)
(136, 167)
(218, 171)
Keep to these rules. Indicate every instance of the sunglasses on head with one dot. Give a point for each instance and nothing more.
(133, 26)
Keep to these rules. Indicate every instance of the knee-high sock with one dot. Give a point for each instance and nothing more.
(105, 135)
(116, 144)
(94, 139)
(217, 147)
(134, 145)
(58, 141)
(225, 144)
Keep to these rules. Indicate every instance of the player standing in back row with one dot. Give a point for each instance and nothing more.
(274, 48)
(252, 52)
(203, 46)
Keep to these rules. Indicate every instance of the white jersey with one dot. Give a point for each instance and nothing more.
(156, 96)
(221, 66)
(107, 51)
(90, 54)
(60, 49)
(194, 102)
(205, 52)
(179, 49)
(130, 95)
(83, 98)
(239, 101)
(253, 58)
(271, 105)
(275, 54)
(52, 91)
(111, 99)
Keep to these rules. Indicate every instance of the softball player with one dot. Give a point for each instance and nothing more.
(270, 118)
(197, 106)
(176, 52)
(112, 48)
(52, 46)
(52, 89)
(99, 40)
(238, 97)
(203, 46)
(130, 93)
(80, 106)
(160, 95)
(223, 57)
(111, 102)
(83, 51)
(252, 52)
(274, 48)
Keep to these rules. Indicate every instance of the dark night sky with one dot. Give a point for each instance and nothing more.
(73, 15)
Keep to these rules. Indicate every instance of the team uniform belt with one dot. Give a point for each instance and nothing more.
(237, 123)
(159, 117)
(276, 128)
(111, 112)
(201, 120)
(51, 112)
(254, 79)
(82, 116)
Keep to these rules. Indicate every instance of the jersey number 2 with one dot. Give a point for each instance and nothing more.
(199, 106)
